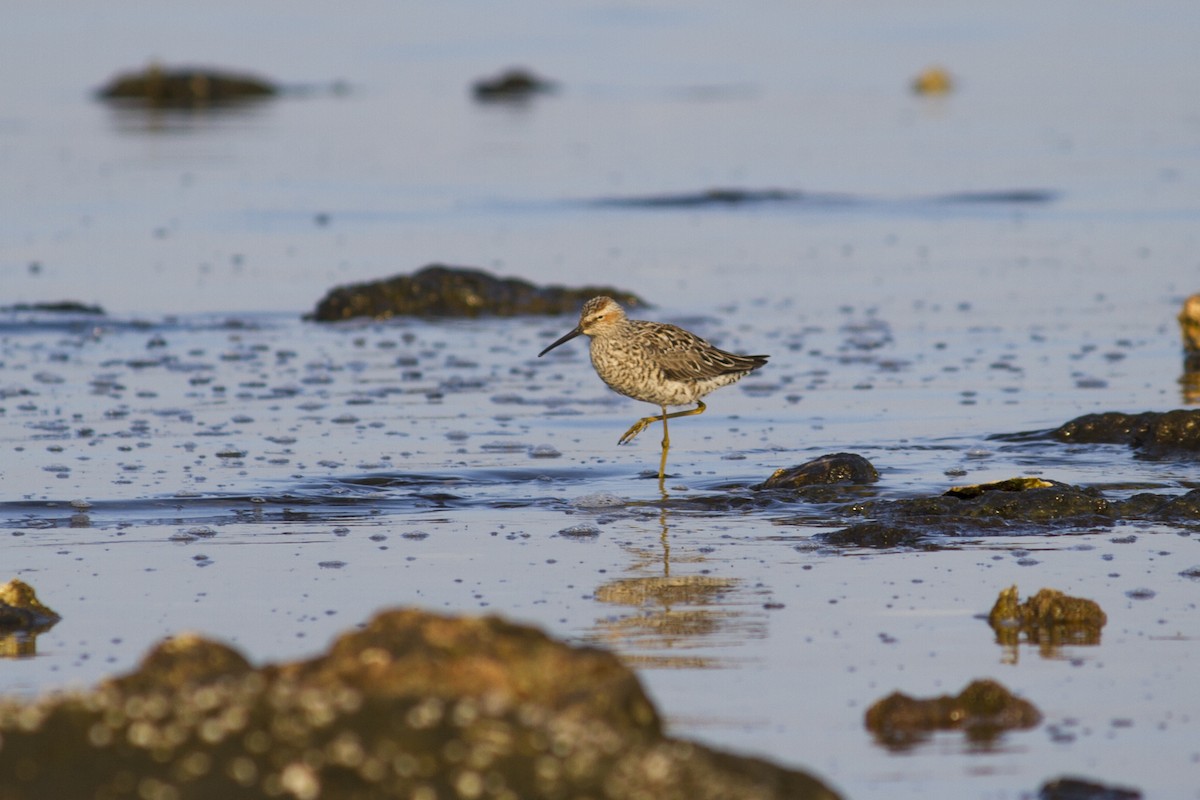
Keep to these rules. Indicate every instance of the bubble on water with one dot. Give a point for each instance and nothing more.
(598, 500)
(580, 532)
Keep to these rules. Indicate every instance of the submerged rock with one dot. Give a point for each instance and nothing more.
(1047, 618)
(512, 85)
(1155, 433)
(60, 307)
(1009, 506)
(984, 710)
(186, 87)
(876, 535)
(1080, 789)
(441, 291)
(971, 509)
(412, 705)
(823, 470)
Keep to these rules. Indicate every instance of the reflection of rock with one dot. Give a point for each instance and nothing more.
(412, 705)
(984, 710)
(22, 618)
(1152, 432)
(185, 87)
(513, 85)
(1049, 618)
(1189, 324)
(827, 469)
(441, 291)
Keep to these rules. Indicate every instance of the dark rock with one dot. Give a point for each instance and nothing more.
(984, 710)
(1079, 789)
(1152, 432)
(827, 469)
(442, 291)
(1146, 505)
(512, 85)
(414, 704)
(1048, 618)
(186, 87)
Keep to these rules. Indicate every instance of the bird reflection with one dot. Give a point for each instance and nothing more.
(673, 620)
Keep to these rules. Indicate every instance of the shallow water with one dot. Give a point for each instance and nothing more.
(201, 458)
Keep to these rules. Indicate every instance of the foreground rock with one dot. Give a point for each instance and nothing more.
(983, 710)
(1154, 433)
(186, 87)
(413, 705)
(442, 291)
(1048, 618)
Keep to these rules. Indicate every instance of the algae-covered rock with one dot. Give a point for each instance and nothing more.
(983, 710)
(186, 87)
(1048, 618)
(412, 705)
(22, 618)
(20, 608)
(933, 80)
(1007, 485)
(828, 469)
(441, 291)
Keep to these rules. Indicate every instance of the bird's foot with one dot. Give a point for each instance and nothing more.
(635, 429)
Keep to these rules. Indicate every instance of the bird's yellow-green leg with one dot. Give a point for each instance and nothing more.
(666, 445)
(644, 422)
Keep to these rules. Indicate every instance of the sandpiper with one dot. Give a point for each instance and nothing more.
(656, 363)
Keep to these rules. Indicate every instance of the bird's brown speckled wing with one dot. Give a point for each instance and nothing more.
(684, 356)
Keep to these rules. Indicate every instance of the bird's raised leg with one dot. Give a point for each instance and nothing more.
(644, 422)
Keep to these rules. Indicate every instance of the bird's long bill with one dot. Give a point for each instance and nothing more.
(578, 330)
